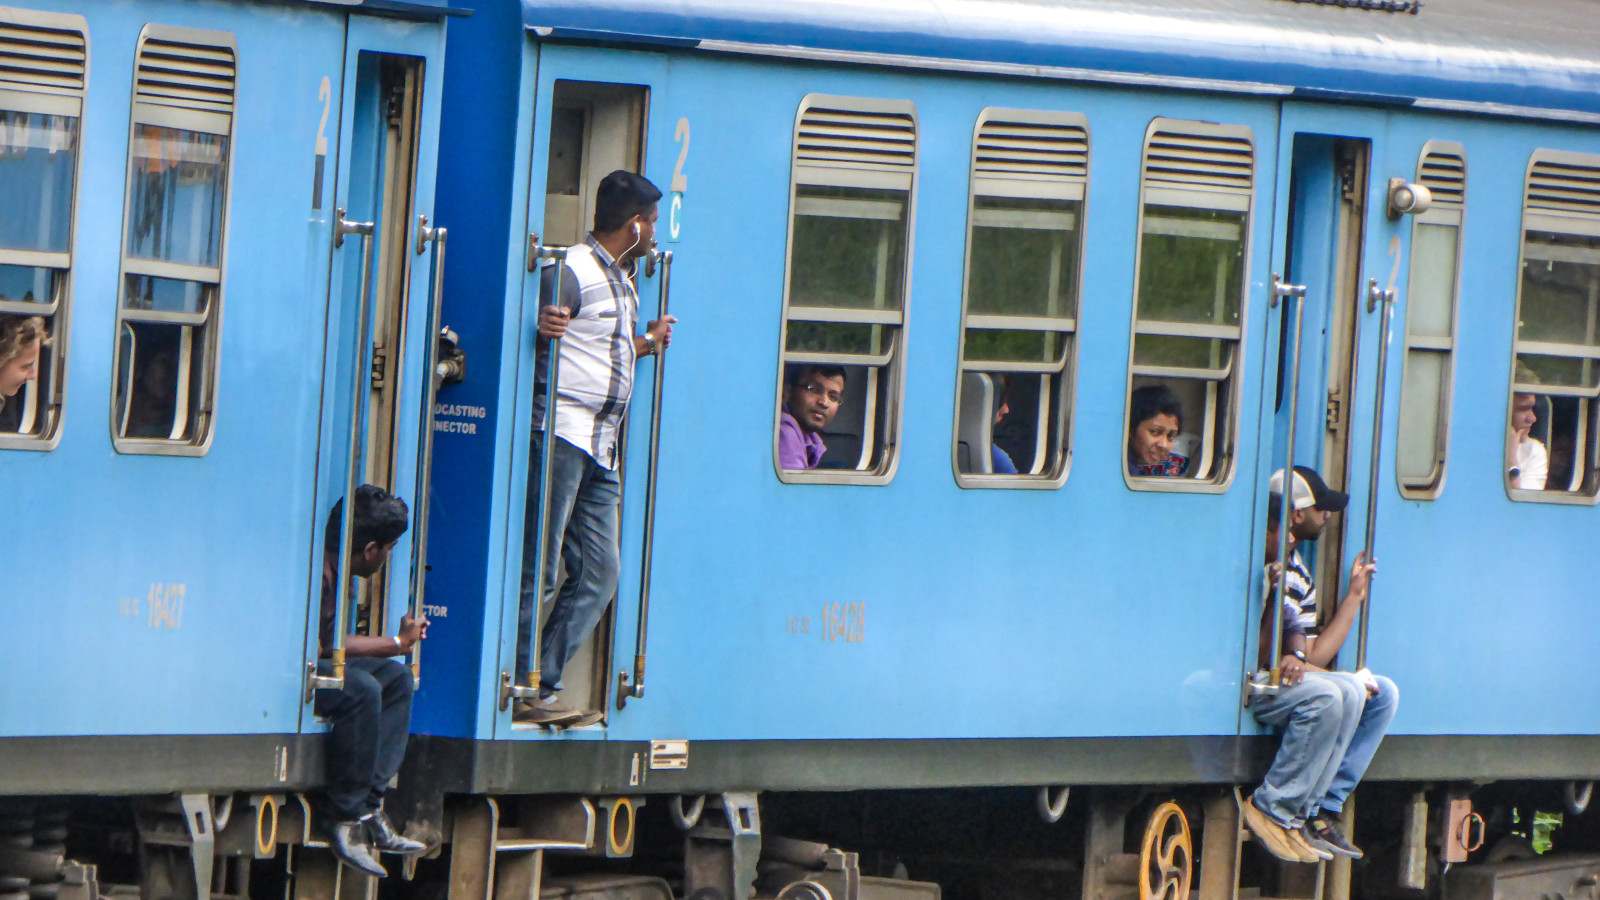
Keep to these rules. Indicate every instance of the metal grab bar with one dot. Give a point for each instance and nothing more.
(529, 689)
(1383, 300)
(423, 493)
(1286, 292)
(360, 368)
(635, 688)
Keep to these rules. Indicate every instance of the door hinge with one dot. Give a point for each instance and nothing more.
(380, 365)
(1335, 414)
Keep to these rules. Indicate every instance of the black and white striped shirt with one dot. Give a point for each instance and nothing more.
(597, 354)
(1300, 606)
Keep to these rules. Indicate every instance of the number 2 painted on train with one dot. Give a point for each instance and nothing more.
(320, 149)
(680, 181)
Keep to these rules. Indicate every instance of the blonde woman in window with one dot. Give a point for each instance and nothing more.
(1527, 460)
(21, 339)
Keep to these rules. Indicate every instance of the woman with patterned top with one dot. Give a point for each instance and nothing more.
(1155, 420)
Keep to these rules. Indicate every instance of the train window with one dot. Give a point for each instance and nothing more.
(844, 300)
(1019, 316)
(1431, 323)
(595, 128)
(43, 71)
(1194, 231)
(170, 293)
(1552, 451)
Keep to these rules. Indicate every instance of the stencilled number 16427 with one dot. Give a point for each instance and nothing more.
(845, 622)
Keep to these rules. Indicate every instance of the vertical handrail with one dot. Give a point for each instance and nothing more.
(635, 689)
(547, 469)
(360, 369)
(1382, 300)
(423, 494)
(1297, 293)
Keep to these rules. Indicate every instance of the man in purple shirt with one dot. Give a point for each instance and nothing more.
(811, 397)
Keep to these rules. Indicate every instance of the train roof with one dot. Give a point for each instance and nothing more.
(403, 9)
(1540, 59)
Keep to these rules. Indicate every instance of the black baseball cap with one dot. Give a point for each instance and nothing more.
(1327, 498)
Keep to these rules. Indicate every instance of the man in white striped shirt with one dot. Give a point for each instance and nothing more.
(596, 316)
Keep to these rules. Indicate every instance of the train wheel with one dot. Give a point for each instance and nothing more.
(1166, 855)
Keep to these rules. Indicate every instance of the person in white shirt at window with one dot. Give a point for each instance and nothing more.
(1527, 460)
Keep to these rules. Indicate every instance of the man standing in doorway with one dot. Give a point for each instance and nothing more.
(596, 316)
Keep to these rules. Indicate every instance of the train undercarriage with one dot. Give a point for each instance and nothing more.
(1453, 840)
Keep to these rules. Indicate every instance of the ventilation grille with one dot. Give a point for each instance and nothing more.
(839, 137)
(1217, 161)
(1032, 149)
(1565, 187)
(42, 57)
(1445, 174)
(194, 76)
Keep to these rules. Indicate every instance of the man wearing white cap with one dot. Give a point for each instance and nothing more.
(1332, 722)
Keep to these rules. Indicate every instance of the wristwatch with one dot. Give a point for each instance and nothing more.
(649, 343)
(1298, 654)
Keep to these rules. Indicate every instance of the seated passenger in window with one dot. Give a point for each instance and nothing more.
(1527, 461)
(155, 396)
(811, 397)
(1001, 460)
(1155, 419)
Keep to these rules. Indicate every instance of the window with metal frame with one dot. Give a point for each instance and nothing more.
(1196, 193)
(1433, 291)
(1552, 452)
(169, 311)
(44, 63)
(844, 305)
(1029, 175)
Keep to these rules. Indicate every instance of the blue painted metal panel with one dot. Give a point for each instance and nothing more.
(948, 638)
(235, 533)
(1474, 50)
(482, 200)
(229, 531)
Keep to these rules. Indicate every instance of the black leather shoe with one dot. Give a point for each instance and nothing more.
(349, 843)
(386, 839)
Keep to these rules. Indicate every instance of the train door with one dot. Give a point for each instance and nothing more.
(382, 304)
(1339, 249)
(585, 129)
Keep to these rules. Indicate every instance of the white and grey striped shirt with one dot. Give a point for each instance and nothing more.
(597, 354)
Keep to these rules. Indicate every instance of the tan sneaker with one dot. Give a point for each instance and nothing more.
(1274, 838)
(1298, 837)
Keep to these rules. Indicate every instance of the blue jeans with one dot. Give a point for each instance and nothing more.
(584, 496)
(371, 719)
(1318, 722)
(1376, 714)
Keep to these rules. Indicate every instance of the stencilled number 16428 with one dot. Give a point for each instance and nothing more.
(845, 622)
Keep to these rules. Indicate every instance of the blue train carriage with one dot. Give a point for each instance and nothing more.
(222, 211)
(1265, 208)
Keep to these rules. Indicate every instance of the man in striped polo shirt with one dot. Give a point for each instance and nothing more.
(596, 316)
(1332, 722)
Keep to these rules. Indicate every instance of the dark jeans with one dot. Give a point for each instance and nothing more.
(371, 721)
(583, 535)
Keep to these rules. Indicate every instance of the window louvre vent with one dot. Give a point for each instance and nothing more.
(193, 76)
(1445, 174)
(1010, 149)
(1220, 162)
(35, 56)
(855, 139)
(1565, 187)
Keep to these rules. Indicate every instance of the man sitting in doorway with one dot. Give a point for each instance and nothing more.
(811, 397)
(371, 714)
(1332, 722)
